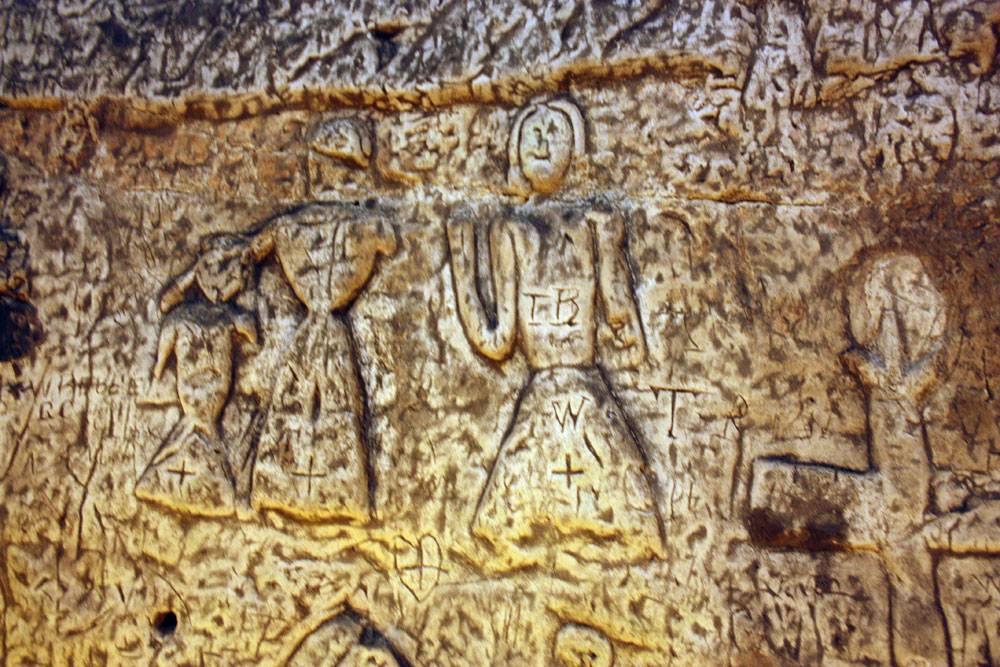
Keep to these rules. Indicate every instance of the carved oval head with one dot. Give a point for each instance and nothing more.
(367, 656)
(545, 148)
(583, 646)
(898, 306)
(545, 140)
(898, 319)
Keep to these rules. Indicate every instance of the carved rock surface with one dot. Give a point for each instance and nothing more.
(499, 333)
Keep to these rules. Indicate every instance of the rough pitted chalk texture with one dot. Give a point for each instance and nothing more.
(499, 333)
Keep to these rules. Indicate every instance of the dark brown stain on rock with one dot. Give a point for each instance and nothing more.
(822, 529)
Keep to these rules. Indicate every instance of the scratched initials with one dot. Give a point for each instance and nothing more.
(566, 307)
(534, 304)
(570, 299)
(568, 413)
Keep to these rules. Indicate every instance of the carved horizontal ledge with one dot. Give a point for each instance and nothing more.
(131, 111)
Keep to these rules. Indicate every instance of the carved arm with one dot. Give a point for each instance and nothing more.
(174, 293)
(262, 242)
(495, 342)
(168, 337)
(245, 324)
(615, 285)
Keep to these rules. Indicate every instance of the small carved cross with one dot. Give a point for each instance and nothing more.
(182, 472)
(309, 475)
(569, 471)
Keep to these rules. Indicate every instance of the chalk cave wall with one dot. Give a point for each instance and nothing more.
(776, 167)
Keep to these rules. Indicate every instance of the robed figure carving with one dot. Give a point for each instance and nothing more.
(192, 471)
(312, 460)
(570, 473)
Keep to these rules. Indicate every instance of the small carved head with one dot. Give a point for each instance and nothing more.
(544, 141)
(222, 268)
(365, 656)
(583, 646)
(347, 139)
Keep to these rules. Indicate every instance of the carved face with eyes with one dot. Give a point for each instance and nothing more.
(545, 148)
(221, 269)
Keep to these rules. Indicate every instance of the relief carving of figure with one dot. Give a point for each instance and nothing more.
(191, 471)
(898, 321)
(569, 473)
(312, 461)
(898, 318)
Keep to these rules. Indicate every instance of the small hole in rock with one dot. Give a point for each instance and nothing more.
(165, 622)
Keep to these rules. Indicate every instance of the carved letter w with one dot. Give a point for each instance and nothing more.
(568, 413)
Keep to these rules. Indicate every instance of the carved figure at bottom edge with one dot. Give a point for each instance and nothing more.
(582, 646)
(191, 471)
(346, 640)
(898, 320)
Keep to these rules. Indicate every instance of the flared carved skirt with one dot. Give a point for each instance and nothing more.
(189, 473)
(311, 455)
(570, 474)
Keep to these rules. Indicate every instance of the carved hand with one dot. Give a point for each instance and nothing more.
(627, 337)
(246, 325)
(174, 293)
(950, 492)
(885, 369)
(168, 337)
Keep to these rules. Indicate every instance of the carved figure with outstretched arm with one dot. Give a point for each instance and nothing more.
(312, 460)
(191, 471)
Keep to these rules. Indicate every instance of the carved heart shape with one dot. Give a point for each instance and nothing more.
(419, 565)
